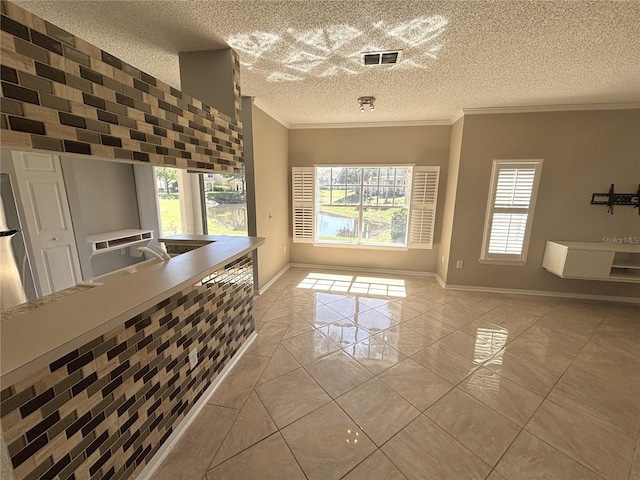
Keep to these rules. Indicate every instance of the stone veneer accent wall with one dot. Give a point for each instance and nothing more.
(104, 409)
(62, 94)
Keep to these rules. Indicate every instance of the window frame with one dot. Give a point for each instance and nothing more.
(360, 206)
(421, 208)
(506, 258)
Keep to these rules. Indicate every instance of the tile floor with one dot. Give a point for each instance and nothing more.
(393, 377)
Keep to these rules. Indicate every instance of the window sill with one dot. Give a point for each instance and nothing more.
(361, 247)
(514, 263)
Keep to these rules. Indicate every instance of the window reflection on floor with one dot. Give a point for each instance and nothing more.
(388, 287)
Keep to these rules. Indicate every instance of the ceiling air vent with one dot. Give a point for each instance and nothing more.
(388, 57)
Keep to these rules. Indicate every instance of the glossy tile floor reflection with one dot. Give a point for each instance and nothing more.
(367, 378)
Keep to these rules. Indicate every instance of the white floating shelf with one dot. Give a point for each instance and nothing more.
(593, 261)
(109, 241)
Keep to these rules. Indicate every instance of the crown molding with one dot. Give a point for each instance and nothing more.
(551, 108)
(271, 113)
(417, 123)
(457, 116)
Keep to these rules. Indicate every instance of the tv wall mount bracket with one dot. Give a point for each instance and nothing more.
(611, 198)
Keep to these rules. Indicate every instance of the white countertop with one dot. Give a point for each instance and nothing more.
(32, 340)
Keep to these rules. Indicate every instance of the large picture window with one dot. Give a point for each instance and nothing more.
(365, 206)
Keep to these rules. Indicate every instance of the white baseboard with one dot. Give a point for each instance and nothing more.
(540, 293)
(440, 281)
(275, 277)
(155, 462)
(362, 269)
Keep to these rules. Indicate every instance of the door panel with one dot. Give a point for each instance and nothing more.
(47, 205)
(48, 220)
(58, 263)
(38, 163)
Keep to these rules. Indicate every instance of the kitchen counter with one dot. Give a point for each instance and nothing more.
(35, 338)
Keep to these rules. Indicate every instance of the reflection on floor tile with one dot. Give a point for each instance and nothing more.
(378, 410)
(338, 373)
(372, 320)
(429, 327)
(471, 348)
(344, 332)
(431, 383)
(336, 446)
(321, 315)
(404, 339)
(397, 311)
(309, 346)
(419, 386)
(374, 354)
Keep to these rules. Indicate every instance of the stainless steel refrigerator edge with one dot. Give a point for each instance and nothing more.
(16, 276)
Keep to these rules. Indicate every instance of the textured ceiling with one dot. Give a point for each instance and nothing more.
(301, 59)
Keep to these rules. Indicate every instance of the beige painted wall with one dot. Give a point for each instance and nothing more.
(450, 198)
(583, 152)
(428, 145)
(270, 146)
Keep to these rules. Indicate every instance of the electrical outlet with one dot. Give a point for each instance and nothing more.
(193, 359)
(442, 259)
(285, 250)
(459, 264)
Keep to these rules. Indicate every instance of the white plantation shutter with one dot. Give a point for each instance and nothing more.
(424, 197)
(302, 193)
(514, 187)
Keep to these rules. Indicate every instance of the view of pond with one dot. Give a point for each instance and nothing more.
(227, 219)
(378, 226)
(332, 226)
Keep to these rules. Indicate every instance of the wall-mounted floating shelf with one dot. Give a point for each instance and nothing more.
(110, 241)
(611, 198)
(613, 262)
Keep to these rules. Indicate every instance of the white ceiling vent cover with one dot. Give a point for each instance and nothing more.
(388, 57)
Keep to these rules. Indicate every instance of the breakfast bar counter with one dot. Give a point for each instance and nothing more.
(97, 381)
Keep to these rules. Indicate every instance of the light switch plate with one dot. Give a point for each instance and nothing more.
(193, 359)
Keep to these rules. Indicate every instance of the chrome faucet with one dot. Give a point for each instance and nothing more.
(151, 252)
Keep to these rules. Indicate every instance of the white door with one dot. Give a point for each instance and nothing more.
(47, 220)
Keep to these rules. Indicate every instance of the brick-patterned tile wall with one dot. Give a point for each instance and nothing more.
(104, 409)
(62, 94)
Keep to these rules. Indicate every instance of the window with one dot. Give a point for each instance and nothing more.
(209, 203)
(514, 186)
(365, 206)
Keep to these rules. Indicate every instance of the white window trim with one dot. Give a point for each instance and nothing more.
(509, 259)
(303, 202)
